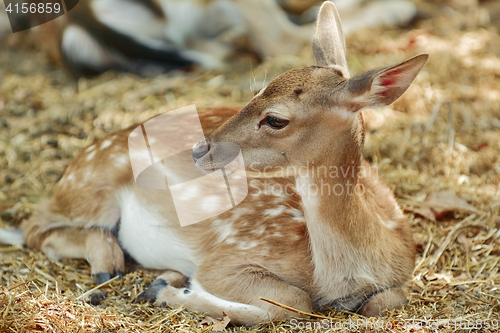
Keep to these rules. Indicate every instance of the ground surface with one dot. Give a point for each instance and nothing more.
(438, 147)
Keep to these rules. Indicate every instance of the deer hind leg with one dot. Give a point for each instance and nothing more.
(238, 295)
(389, 299)
(54, 235)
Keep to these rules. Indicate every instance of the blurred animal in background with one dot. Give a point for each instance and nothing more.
(135, 35)
(159, 35)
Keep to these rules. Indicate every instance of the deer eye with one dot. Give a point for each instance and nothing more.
(276, 123)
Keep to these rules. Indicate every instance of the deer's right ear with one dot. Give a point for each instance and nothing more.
(329, 43)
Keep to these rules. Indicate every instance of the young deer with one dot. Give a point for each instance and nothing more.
(349, 249)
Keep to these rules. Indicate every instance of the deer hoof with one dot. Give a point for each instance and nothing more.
(389, 299)
(150, 294)
(120, 274)
(96, 299)
(105, 276)
(101, 277)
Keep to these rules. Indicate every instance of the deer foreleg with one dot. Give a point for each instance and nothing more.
(239, 299)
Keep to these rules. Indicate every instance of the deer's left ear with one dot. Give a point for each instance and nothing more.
(381, 86)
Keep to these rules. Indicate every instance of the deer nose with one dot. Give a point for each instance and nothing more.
(199, 149)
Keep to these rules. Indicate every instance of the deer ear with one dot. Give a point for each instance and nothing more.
(329, 43)
(382, 86)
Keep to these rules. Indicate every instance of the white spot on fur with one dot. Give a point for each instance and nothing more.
(70, 177)
(191, 192)
(297, 214)
(231, 240)
(248, 245)
(120, 161)
(105, 144)
(239, 212)
(224, 229)
(91, 156)
(211, 203)
(90, 148)
(275, 211)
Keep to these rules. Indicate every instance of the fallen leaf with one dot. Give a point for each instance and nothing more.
(442, 203)
(217, 325)
(425, 212)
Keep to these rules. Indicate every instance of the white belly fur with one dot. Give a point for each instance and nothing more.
(150, 240)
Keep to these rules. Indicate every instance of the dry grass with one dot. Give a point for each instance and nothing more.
(442, 135)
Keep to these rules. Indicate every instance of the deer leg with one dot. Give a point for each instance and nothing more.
(389, 299)
(59, 236)
(238, 295)
(99, 247)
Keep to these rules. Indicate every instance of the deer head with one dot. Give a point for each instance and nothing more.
(311, 114)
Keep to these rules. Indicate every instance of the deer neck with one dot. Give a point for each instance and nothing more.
(335, 210)
(332, 189)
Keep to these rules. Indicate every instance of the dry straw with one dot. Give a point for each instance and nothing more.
(442, 135)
